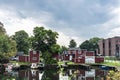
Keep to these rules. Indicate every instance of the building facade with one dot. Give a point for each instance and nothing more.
(81, 56)
(33, 57)
(109, 47)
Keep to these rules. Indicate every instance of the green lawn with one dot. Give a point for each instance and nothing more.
(19, 63)
(115, 63)
(61, 62)
(111, 64)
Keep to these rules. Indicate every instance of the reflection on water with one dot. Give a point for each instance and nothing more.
(62, 74)
(78, 74)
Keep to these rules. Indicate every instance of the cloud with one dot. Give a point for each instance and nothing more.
(115, 31)
(13, 22)
(77, 19)
(65, 40)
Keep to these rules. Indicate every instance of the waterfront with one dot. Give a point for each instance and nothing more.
(52, 74)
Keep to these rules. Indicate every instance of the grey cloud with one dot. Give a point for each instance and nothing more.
(82, 18)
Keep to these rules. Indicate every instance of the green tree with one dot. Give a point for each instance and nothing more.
(2, 29)
(85, 45)
(63, 48)
(43, 39)
(22, 40)
(55, 48)
(91, 44)
(72, 43)
(7, 46)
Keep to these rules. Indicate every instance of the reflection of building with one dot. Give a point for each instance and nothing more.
(67, 74)
(81, 56)
(35, 74)
(29, 74)
(110, 47)
(63, 77)
(83, 75)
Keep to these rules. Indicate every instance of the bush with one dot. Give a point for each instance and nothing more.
(2, 68)
(47, 58)
(5, 60)
(113, 75)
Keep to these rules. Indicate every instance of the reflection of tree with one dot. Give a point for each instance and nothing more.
(50, 75)
(6, 77)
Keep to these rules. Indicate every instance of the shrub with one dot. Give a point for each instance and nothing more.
(113, 75)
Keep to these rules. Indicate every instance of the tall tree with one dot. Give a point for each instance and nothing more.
(2, 29)
(43, 39)
(22, 40)
(55, 48)
(7, 45)
(63, 48)
(91, 44)
(72, 43)
(85, 45)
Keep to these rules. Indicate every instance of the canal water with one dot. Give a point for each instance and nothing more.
(52, 74)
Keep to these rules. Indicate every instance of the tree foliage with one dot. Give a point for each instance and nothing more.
(91, 44)
(55, 48)
(113, 75)
(7, 46)
(43, 39)
(2, 29)
(22, 40)
(72, 43)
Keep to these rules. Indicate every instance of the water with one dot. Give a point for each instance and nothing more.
(51, 74)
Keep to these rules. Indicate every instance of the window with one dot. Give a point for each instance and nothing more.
(34, 52)
(34, 58)
(79, 52)
(80, 57)
(66, 54)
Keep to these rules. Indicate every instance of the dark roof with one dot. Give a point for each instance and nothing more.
(20, 53)
(74, 49)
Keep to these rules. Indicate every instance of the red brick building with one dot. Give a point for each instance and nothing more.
(110, 47)
(81, 56)
(33, 57)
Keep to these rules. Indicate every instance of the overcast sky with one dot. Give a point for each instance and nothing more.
(72, 19)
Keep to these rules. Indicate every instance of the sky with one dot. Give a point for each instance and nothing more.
(72, 19)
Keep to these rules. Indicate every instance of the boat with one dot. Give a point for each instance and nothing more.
(37, 65)
(41, 65)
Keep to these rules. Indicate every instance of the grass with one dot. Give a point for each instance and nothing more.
(111, 61)
(69, 63)
(111, 64)
(19, 63)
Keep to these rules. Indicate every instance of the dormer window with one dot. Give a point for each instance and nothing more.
(34, 52)
(34, 58)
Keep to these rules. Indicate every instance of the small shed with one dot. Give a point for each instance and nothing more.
(33, 57)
